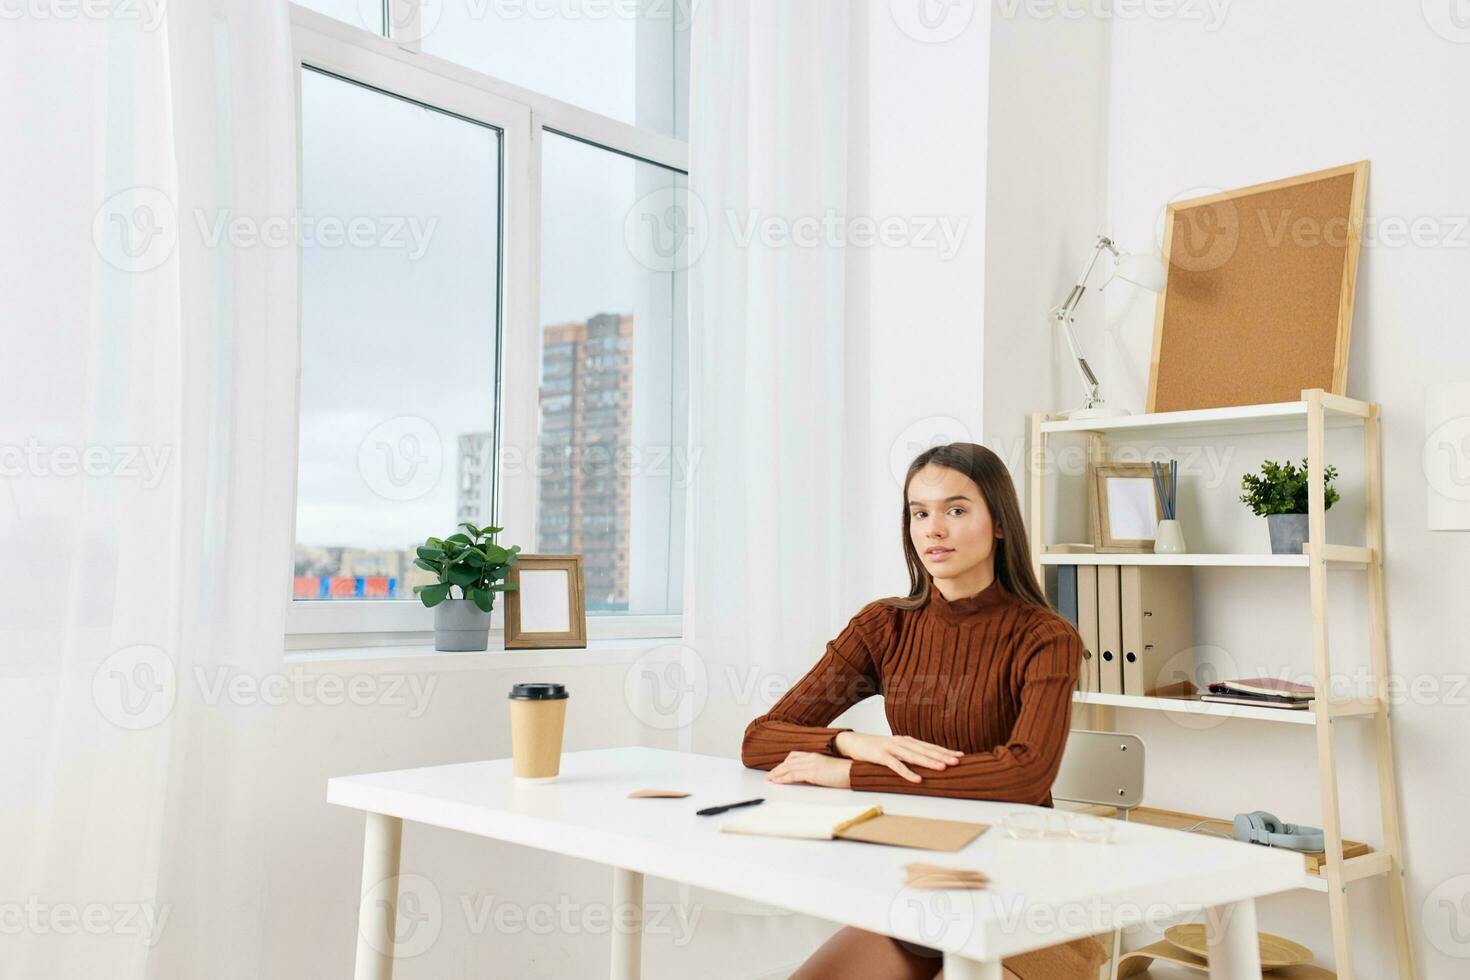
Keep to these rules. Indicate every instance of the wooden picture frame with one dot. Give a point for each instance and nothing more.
(1258, 306)
(1120, 486)
(536, 615)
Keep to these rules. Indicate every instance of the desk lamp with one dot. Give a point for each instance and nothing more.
(1141, 270)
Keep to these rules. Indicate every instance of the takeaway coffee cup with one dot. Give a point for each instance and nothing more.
(538, 713)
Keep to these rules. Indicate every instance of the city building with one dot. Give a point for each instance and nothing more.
(475, 478)
(585, 492)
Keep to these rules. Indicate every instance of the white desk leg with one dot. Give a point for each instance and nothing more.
(382, 843)
(627, 933)
(959, 968)
(1230, 932)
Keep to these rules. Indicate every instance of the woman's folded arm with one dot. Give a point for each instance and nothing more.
(1021, 769)
(844, 676)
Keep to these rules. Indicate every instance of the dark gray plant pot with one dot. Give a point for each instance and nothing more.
(460, 626)
(1288, 533)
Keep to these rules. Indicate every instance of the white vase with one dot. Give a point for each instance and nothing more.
(1169, 539)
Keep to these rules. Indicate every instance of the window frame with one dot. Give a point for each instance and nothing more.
(398, 68)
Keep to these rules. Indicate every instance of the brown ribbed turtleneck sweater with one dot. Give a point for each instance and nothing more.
(989, 675)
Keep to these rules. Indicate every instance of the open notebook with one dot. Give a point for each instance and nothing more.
(852, 821)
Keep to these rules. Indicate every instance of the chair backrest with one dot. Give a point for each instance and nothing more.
(1101, 767)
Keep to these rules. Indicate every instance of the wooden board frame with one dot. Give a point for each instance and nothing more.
(1353, 247)
(574, 638)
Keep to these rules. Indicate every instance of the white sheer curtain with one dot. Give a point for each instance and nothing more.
(146, 394)
(777, 351)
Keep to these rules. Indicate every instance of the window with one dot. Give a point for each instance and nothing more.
(453, 370)
(614, 334)
(399, 325)
(359, 13)
(623, 59)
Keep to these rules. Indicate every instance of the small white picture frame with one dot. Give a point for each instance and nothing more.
(1125, 507)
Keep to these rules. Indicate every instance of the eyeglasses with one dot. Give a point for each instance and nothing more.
(1038, 824)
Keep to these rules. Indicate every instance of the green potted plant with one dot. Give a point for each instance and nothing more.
(1279, 495)
(472, 563)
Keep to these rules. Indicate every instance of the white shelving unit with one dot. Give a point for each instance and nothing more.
(1339, 413)
(1314, 414)
(1194, 560)
(1337, 708)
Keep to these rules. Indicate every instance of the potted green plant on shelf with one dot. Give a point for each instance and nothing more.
(1279, 495)
(472, 563)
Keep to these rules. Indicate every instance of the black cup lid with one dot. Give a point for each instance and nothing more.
(538, 692)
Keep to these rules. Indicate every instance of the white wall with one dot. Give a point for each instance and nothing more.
(1047, 135)
(922, 158)
(1278, 89)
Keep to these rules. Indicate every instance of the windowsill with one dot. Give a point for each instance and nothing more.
(367, 624)
(601, 652)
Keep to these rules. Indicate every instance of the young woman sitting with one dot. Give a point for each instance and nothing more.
(976, 671)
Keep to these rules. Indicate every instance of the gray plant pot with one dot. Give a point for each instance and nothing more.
(1288, 533)
(460, 626)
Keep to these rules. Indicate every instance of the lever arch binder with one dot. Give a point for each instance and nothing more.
(1157, 606)
(1109, 630)
(1088, 678)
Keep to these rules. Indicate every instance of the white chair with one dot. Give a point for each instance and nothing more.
(1104, 768)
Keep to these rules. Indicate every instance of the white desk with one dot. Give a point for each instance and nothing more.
(1041, 891)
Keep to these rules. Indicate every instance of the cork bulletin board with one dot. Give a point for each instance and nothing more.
(1259, 300)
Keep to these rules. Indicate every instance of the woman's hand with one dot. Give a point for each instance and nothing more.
(894, 751)
(812, 767)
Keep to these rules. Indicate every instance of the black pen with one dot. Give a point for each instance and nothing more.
(710, 811)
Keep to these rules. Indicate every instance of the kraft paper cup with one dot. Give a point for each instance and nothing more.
(538, 715)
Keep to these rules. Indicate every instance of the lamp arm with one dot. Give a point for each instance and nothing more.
(1104, 244)
(1063, 315)
(1084, 371)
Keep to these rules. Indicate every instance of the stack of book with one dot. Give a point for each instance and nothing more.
(1263, 692)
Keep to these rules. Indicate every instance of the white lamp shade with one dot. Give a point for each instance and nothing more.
(1141, 270)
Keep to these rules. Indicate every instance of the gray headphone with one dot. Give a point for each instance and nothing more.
(1260, 827)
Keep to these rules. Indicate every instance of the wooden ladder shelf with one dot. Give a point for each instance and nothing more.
(1316, 411)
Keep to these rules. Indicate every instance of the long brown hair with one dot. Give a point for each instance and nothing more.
(1012, 552)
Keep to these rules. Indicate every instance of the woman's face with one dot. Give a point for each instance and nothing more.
(949, 523)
